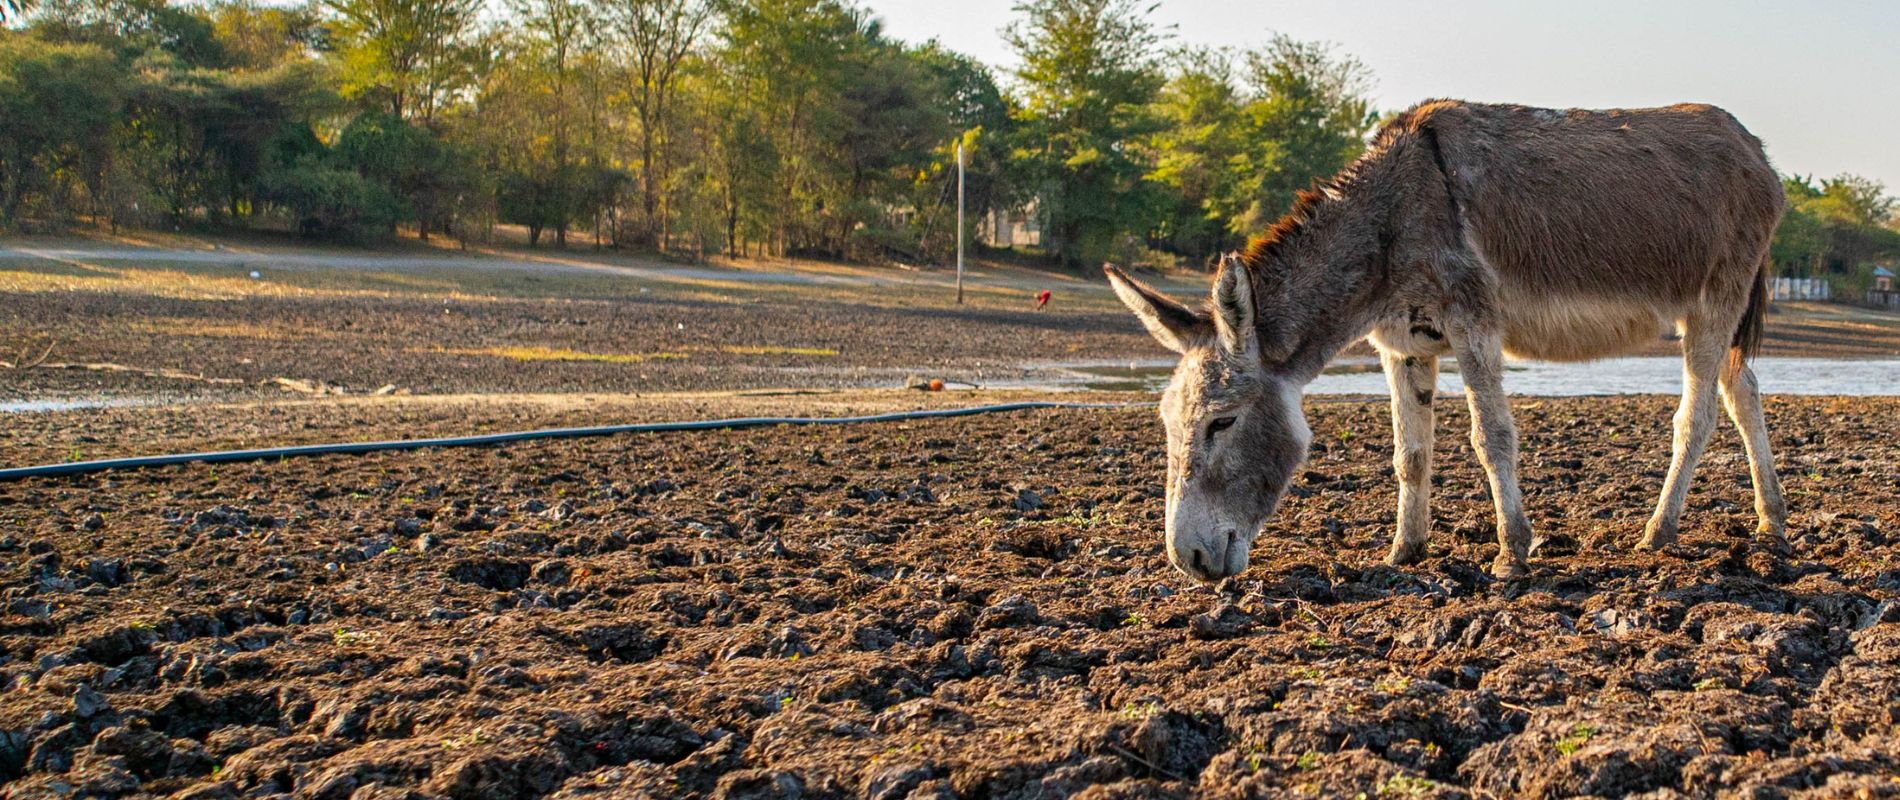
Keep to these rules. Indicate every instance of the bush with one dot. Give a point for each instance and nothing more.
(332, 203)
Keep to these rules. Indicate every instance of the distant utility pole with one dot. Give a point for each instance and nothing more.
(959, 221)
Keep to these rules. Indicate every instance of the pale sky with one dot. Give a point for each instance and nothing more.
(1818, 81)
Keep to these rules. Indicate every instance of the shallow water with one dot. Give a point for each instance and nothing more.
(70, 404)
(1635, 375)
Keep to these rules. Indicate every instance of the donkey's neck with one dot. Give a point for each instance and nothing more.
(1330, 271)
(1334, 286)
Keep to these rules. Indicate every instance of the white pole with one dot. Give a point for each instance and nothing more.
(959, 222)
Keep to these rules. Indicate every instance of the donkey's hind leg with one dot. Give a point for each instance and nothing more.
(1704, 347)
(1743, 398)
(1413, 380)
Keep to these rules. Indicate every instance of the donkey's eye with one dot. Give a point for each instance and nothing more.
(1218, 424)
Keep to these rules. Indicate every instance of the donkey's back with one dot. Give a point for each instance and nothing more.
(1605, 226)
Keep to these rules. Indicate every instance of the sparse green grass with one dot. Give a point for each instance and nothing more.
(1575, 739)
(527, 354)
(1407, 786)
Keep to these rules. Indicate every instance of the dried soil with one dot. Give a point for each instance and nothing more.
(974, 608)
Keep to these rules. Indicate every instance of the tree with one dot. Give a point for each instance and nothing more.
(1307, 117)
(254, 36)
(981, 117)
(1836, 228)
(787, 60)
(326, 201)
(430, 176)
(60, 104)
(738, 161)
(406, 56)
(1203, 137)
(1089, 78)
(1857, 200)
(557, 35)
(1800, 245)
(658, 36)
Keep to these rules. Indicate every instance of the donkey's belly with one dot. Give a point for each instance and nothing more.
(1579, 329)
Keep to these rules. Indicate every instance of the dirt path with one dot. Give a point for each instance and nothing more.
(973, 608)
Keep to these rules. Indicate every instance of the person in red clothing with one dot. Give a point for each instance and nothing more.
(1042, 299)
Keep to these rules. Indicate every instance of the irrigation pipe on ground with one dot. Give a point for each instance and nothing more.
(225, 456)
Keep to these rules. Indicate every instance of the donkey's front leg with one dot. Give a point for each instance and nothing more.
(1413, 379)
(1494, 437)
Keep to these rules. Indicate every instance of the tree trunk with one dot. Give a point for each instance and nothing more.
(649, 200)
(733, 244)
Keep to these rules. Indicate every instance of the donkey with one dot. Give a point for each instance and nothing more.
(1476, 231)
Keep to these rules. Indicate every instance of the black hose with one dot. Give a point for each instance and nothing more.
(222, 456)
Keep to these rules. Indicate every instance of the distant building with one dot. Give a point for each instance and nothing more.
(1014, 227)
(1882, 294)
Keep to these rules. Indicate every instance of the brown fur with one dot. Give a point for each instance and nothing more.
(1623, 206)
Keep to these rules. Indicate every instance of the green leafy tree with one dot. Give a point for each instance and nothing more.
(555, 39)
(1089, 78)
(326, 201)
(408, 57)
(657, 39)
(1307, 116)
(980, 118)
(737, 160)
(60, 105)
(1800, 246)
(254, 36)
(788, 59)
(1203, 139)
(132, 27)
(432, 177)
(1839, 228)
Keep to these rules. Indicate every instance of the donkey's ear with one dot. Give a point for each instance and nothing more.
(1176, 326)
(1234, 309)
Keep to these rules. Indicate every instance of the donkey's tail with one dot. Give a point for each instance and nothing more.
(1748, 334)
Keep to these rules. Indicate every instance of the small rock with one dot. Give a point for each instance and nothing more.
(1225, 622)
(1009, 612)
(93, 522)
(105, 571)
(1028, 500)
(553, 572)
(87, 703)
(896, 781)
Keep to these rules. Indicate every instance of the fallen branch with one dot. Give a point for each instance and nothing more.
(161, 372)
(24, 363)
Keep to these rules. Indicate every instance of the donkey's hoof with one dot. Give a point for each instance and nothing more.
(1657, 537)
(1773, 543)
(1404, 553)
(1507, 568)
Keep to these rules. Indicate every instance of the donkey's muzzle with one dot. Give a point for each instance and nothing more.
(1213, 557)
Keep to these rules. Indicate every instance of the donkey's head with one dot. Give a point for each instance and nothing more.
(1235, 429)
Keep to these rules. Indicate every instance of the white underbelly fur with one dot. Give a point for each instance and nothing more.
(1577, 329)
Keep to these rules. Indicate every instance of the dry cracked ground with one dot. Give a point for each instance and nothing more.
(971, 608)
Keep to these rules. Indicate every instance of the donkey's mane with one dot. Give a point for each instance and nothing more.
(1307, 202)
(1305, 206)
